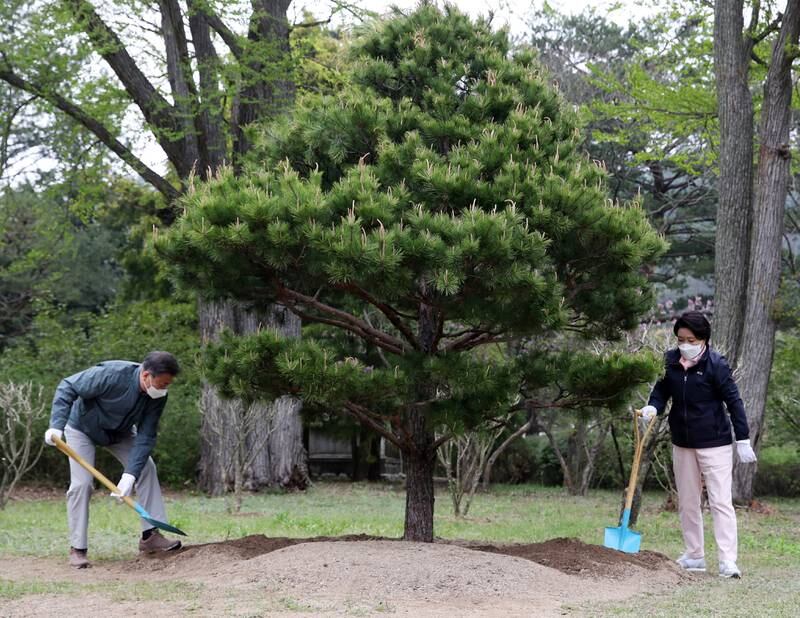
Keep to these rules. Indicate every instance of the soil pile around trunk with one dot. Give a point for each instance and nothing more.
(356, 575)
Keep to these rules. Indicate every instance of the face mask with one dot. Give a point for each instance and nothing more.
(156, 393)
(690, 351)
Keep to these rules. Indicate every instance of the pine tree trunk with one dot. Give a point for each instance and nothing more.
(758, 340)
(419, 456)
(734, 211)
(419, 463)
(283, 461)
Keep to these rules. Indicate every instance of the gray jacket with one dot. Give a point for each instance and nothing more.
(106, 403)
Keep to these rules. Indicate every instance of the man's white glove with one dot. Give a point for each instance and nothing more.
(745, 451)
(649, 412)
(125, 486)
(48, 435)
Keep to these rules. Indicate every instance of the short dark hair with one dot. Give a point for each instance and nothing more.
(158, 363)
(696, 322)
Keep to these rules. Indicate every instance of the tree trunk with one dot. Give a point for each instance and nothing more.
(734, 211)
(591, 459)
(283, 462)
(487, 471)
(758, 339)
(263, 96)
(419, 463)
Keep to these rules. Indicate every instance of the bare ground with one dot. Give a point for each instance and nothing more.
(344, 576)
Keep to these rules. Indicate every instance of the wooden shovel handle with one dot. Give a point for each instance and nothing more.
(637, 455)
(70, 452)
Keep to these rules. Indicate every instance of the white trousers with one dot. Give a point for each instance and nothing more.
(148, 491)
(714, 465)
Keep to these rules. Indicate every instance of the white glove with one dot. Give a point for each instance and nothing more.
(48, 435)
(125, 486)
(745, 451)
(648, 412)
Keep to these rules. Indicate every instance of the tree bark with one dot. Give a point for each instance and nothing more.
(772, 182)
(283, 462)
(419, 452)
(591, 459)
(419, 463)
(735, 186)
(263, 96)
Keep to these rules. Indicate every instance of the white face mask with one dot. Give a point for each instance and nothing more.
(690, 351)
(156, 393)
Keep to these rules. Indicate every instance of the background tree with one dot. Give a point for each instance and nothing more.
(443, 195)
(21, 406)
(645, 90)
(751, 209)
(104, 67)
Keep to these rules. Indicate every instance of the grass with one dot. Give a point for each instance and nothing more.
(769, 545)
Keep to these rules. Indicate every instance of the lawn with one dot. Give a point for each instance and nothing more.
(769, 544)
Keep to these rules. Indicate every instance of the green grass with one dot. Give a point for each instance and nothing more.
(769, 545)
(116, 591)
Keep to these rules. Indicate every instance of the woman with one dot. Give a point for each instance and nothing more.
(699, 380)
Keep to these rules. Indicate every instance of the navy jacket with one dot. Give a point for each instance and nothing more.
(107, 404)
(697, 418)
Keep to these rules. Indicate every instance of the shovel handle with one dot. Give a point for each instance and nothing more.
(637, 456)
(70, 452)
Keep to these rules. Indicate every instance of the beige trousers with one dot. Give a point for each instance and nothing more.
(714, 465)
(148, 491)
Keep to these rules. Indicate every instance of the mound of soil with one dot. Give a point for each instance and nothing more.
(349, 575)
(569, 556)
(575, 557)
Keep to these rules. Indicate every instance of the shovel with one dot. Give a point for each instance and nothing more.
(621, 538)
(70, 452)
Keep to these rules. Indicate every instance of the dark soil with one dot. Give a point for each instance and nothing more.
(575, 557)
(569, 556)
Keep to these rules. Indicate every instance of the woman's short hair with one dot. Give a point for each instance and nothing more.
(158, 363)
(696, 322)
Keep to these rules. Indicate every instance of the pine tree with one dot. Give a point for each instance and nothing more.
(436, 206)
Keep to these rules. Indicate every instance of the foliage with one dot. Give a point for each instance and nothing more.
(778, 471)
(646, 90)
(781, 425)
(68, 257)
(53, 351)
(438, 205)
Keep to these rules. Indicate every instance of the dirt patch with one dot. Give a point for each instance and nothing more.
(361, 575)
(574, 557)
(569, 556)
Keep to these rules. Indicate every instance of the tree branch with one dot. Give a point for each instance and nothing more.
(390, 312)
(230, 38)
(156, 109)
(339, 318)
(368, 418)
(8, 75)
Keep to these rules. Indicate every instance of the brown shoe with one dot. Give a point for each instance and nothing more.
(157, 542)
(77, 558)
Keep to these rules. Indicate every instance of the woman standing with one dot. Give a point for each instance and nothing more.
(699, 380)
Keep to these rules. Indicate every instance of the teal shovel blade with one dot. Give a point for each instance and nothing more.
(622, 538)
(154, 522)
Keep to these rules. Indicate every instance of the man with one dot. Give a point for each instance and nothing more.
(115, 404)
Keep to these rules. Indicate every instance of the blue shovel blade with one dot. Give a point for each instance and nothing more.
(623, 539)
(154, 522)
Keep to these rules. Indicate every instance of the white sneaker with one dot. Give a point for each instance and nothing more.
(693, 564)
(728, 568)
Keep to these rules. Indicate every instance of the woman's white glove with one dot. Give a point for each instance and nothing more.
(648, 412)
(745, 451)
(125, 486)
